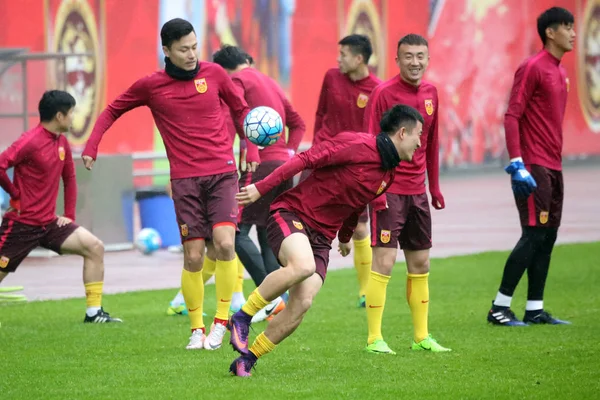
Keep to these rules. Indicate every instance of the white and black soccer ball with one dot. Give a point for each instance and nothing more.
(263, 126)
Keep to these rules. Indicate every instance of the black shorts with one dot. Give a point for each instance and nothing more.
(17, 240)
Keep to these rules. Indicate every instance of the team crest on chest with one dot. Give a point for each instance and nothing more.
(429, 106)
(298, 225)
(201, 85)
(4, 261)
(381, 187)
(362, 100)
(61, 153)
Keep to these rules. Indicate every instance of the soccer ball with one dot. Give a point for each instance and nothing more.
(263, 126)
(148, 241)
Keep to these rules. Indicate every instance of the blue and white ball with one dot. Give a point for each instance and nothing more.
(148, 241)
(263, 126)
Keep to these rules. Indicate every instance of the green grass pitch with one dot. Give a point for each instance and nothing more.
(46, 352)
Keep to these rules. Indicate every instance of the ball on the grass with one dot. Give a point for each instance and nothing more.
(148, 241)
(263, 126)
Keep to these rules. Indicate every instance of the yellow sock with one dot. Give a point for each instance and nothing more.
(376, 290)
(192, 288)
(363, 257)
(239, 285)
(262, 345)
(225, 275)
(93, 294)
(417, 295)
(255, 303)
(208, 269)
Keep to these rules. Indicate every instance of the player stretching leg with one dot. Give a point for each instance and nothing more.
(533, 126)
(349, 172)
(185, 100)
(40, 157)
(345, 91)
(407, 220)
(260, 90)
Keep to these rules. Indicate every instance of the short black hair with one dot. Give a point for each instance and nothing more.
(400, 116)
(54, 102)
(249, 58)
(358, 44)
(173, 30)
(412, 39)
(553, 18)
(229, 57)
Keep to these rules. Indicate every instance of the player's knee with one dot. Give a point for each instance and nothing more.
(361, 232)
(299, 305)
(225, 248)
(193, 260)
(305, 304)
(94, 248)
(303, 268)
(383, 262)
(419, 266)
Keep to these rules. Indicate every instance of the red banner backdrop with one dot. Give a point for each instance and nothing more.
(20, 29)
(475, 48)
(72, 27)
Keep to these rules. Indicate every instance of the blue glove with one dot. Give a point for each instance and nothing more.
(523, 183)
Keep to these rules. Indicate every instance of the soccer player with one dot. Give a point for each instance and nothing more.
(407, 220)
(344, 96)
(349, 171)
(260, 90)
(185, 100)
(533, 126)
(177, 305)
(41, 157)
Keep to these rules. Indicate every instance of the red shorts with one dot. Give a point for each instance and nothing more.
(406, 221)
(544, 207)
(258, 213)
(282, 223)
(203, 202)
(17, 240)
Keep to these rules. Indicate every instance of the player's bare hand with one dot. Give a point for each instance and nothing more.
(63, 221)
(248, 195)
(14, 206)
(344, 249)
(437, 200)
(88, 162)
(252, 166)
(10, 209)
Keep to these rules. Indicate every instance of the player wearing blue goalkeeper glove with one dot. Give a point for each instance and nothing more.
(523, 183)
(533, 132)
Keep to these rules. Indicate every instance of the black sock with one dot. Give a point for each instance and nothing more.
(538, 271)
(249, 254)
(269, 259)
(521, 258)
